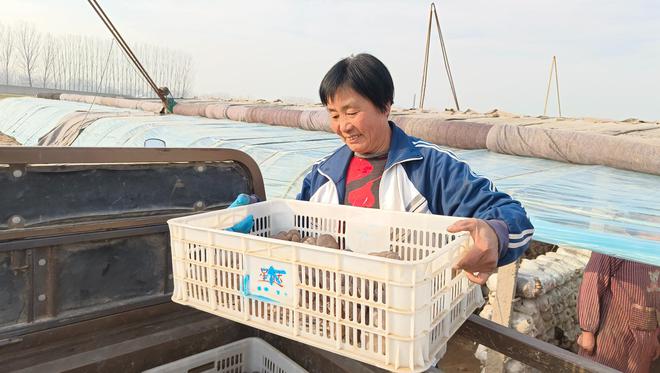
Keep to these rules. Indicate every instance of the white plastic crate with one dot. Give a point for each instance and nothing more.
(244, 356)
(394, 314)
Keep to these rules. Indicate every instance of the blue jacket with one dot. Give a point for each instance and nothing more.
(421, 177)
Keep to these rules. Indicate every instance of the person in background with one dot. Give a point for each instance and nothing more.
(618, 308)
(380, 166)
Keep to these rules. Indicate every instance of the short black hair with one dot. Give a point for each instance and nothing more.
(363, 73)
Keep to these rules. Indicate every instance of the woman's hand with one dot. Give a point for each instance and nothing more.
(483, 256)
(587, 342)
(245, 225)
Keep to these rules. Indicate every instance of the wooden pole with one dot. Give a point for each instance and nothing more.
(502, 309)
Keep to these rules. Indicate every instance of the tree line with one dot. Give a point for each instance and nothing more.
(29, 57)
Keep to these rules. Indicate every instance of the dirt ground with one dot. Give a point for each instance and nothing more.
(460, 357)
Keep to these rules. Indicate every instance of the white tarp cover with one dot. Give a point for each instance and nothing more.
(599, 208)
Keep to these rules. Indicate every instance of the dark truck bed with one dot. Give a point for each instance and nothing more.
(85, 269)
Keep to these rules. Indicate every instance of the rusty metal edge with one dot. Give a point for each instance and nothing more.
(82, 228)
(49, 243)
(65, 348)
(12, 155)
(84, 315)
(22, 156)
(527, 350)
(81, 237)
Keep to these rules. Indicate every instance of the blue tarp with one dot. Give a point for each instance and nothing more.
(598, 208)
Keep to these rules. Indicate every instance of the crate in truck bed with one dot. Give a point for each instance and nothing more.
(395, 314)
(247, 355)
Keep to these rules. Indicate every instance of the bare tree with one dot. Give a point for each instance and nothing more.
(60, 63)
(184, 72)
(87, 66)
(174, 70)
(74, 62)
(116, 71)
(169, 72)
(65, 61)
(29, 40)
(6, 49)
(48, 52)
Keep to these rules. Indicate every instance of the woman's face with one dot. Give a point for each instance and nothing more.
(362, 126)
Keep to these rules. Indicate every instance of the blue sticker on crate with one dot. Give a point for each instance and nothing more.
(269, 280)
(246, 292)
(272, 276)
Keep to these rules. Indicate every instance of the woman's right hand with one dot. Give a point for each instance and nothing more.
(587, 342)
(245, 225)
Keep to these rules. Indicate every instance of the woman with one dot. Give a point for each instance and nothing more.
(617, 310)
(382, 167)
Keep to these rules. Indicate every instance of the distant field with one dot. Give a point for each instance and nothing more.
(5, 95)
(33, 91)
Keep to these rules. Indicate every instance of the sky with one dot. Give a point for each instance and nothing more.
(608, 52)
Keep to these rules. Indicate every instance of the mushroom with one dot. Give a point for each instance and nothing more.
(387, 254)
(328, 241)
(280, 236)
(310, 240)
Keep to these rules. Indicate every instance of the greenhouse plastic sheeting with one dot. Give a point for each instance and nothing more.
(27, 119)
(599, 208)
(284, 154)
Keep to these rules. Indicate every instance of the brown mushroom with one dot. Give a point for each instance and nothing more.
(295, 236)
(328, 241)
(280, 236)
(387, 254)
(310, 240)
